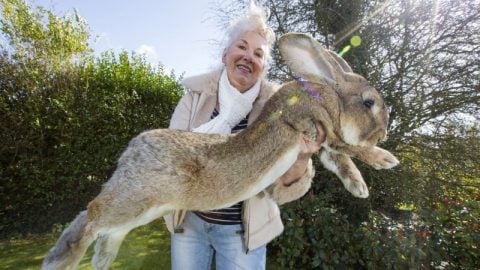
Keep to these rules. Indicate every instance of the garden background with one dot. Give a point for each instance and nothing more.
(66, 114)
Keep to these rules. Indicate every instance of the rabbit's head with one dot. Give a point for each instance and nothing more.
(362, 114)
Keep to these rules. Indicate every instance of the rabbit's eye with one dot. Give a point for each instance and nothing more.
(368, 103)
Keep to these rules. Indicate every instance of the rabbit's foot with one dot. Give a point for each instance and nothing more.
(380, 158)
(343, 166)
(357, 187)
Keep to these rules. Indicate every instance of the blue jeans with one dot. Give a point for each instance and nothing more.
(195, 247)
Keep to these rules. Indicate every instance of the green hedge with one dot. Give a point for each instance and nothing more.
(62, 132)
(318, 236)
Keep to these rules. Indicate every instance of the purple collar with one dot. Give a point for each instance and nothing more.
(307, 86)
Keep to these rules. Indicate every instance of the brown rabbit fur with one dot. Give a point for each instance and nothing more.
(162, 170)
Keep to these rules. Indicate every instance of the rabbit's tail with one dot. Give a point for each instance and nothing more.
(71, 246)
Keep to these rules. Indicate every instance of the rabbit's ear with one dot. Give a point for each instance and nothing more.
(345, 71)
(341, 62)
(306, 57)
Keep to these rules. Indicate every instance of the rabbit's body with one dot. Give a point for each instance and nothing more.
(162, 170)
(218, 167)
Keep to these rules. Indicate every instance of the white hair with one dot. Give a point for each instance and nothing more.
(254, 20)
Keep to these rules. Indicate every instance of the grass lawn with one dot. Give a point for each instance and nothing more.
(147, 247)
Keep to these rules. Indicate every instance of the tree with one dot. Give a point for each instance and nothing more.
(39, 35)
(424, 57)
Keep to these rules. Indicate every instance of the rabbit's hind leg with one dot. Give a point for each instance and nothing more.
(71, 246)
(106, 248)
(109, 240)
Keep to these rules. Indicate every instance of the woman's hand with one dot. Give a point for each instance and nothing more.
(307, 148)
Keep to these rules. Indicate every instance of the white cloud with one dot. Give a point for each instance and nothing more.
(149, 51)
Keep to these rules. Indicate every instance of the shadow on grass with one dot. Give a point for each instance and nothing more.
(147, 247)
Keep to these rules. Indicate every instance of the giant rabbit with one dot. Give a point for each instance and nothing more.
(162, 170)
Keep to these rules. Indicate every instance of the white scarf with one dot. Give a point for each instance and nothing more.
(234, 106)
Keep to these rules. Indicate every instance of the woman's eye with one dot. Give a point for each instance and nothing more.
(259, 55)
(242, 47)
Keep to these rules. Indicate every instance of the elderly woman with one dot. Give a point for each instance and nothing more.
(226, 101)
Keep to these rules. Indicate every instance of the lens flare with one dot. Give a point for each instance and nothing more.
(293, 100)
(355, 41)
(344, 50)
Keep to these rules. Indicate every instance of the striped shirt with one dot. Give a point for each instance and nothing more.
(231, 215)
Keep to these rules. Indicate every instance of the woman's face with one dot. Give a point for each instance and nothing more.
(244, 60)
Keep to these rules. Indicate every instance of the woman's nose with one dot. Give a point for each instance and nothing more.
(248, 55)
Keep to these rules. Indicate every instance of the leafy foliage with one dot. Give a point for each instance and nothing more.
(39, 35)
(62, 140)
(64, 124)
(318, 236)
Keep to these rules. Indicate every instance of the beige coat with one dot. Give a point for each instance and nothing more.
(261, 216)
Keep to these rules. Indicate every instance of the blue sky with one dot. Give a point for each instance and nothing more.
(177, 33)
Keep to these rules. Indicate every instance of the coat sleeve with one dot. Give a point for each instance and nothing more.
(181, 116)
(180, 120)
(283, 194)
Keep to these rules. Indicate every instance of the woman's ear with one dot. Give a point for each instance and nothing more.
(224, 56)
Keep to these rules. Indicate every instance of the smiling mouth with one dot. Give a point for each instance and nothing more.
(244, 68)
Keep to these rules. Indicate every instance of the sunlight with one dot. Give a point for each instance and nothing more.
(366, 19)
(433, 30)
(355, 41)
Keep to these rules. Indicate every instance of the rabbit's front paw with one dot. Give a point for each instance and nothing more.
(357, 187)
(380, 158)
